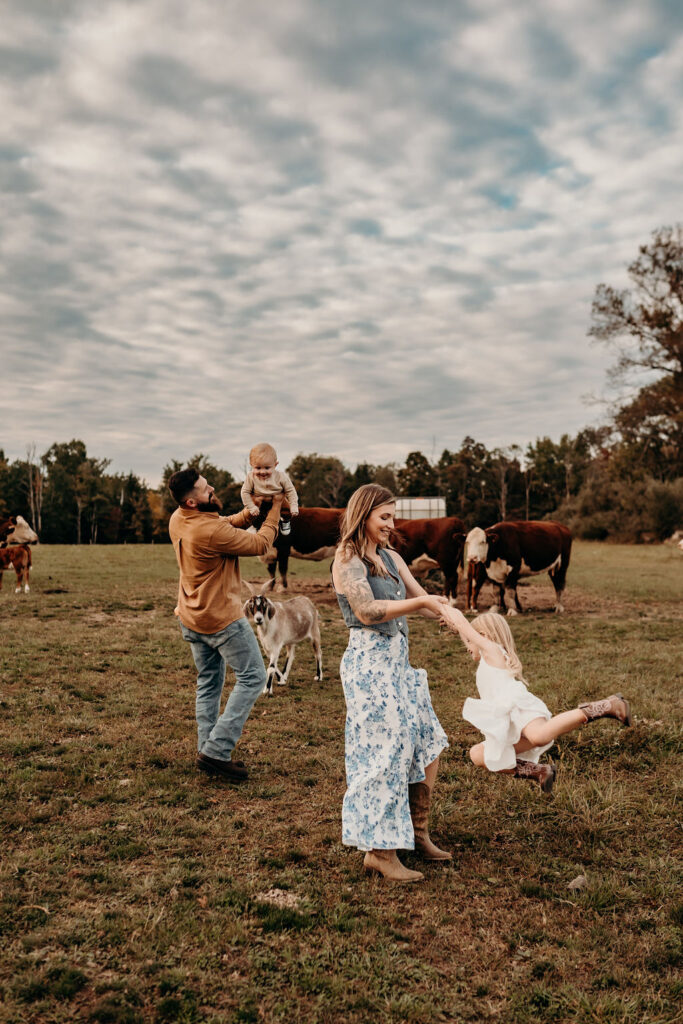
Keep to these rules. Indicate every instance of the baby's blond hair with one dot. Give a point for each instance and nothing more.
(262, 451)
(494, 627)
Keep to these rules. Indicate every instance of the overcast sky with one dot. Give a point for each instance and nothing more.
(356, 228)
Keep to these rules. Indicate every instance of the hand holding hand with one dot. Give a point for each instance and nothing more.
(435, 603)
(451, 617)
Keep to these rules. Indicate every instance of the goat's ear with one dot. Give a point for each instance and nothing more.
(245, 607)
(270, 609)
(268, 586)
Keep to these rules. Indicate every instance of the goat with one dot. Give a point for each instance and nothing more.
(284, 624)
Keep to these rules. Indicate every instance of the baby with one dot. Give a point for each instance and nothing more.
(264, 480)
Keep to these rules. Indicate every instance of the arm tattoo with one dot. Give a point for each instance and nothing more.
(359, 593)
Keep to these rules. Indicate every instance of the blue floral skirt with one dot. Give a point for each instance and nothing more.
(392, 734)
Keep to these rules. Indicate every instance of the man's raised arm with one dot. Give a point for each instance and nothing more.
(229, 539)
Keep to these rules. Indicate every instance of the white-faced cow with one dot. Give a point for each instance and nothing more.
(15, 530)
(509, 551)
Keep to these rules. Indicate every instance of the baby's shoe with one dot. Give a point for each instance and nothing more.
(285, 527)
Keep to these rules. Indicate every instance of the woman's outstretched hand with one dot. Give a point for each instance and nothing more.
(435, 603)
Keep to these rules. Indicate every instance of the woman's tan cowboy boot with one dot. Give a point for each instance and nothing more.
(612, 707)
(387, 864)
(543, 774)
(419, 797)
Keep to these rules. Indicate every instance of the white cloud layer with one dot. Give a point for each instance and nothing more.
(346, 228)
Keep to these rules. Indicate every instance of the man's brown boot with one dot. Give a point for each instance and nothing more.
(612, 707)
(543, 774)
(419, 797)
(387, 864)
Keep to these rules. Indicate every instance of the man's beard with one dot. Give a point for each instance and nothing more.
(213, 505)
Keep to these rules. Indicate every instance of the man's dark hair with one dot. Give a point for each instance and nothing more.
(182, 482)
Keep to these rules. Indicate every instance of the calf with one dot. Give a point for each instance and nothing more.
(15, 530)
(19, 558)
(284, 624)
(508, 551)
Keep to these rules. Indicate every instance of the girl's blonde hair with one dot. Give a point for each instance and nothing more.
(362, 502)
(494, 627)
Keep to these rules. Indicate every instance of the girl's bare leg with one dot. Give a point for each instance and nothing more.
(477, 757)
(541, 731)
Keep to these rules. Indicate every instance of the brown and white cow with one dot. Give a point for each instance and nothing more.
(19, 558)
(15, 530)
(315, 533)
(441, 539)
(506, 552)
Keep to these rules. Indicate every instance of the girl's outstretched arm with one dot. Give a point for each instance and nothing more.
(490, 651)
(413, 588)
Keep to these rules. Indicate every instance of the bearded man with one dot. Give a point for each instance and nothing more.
(207, 546)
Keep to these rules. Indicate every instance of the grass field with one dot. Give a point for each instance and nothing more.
(134, 889)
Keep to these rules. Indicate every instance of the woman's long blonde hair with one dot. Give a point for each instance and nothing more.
(494, 627)
(362, 502)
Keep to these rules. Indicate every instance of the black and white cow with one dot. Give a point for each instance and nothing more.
(508, 551)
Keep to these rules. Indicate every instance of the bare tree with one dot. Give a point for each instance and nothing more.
(36, 480)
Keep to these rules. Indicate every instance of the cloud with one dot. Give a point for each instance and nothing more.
(348, 228)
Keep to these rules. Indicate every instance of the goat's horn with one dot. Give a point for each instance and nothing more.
(269, 585)
(249, 588)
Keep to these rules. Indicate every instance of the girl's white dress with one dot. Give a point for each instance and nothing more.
(506, 706)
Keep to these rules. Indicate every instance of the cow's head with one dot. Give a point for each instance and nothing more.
(15, 530)
(477, 545)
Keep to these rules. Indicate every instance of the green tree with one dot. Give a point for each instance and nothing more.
(320, 480)
(644, 324)
(467, 481)
(417, 478)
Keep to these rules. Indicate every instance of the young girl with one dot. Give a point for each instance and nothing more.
(517, 726)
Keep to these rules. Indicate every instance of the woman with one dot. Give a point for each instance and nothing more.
(393, 737)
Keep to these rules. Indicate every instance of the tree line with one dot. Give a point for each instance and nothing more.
(622, 480)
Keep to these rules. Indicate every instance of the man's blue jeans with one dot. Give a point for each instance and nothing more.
(237, 647)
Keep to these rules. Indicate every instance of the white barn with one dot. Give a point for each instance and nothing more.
(420, 508)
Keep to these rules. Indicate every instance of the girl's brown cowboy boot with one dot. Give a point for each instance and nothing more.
(612, 707)
(543, 774)
(387, 864)
(420, 797)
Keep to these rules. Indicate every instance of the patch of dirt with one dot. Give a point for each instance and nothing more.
(319, 593)
(280, 898)
(535, 597)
